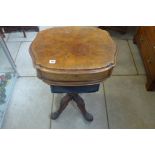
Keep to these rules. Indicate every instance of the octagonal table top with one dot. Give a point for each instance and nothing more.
(72, 50)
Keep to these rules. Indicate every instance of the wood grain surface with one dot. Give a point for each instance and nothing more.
(73, 55)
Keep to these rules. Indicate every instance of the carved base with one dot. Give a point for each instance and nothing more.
(80, 104)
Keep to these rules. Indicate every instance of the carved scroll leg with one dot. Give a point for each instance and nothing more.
(63, 103)
(81, 106)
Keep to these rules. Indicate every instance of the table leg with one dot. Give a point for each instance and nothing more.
(81, 105)
(63, 104)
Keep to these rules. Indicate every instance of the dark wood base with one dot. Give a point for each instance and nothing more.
(80, 104)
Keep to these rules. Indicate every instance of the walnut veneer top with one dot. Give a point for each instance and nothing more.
(60, 53)
(73, 48)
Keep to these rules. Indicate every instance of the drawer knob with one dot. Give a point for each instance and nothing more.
(154, 46)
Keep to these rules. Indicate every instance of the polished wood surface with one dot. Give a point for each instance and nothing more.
(73, 55)
(145, 39)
